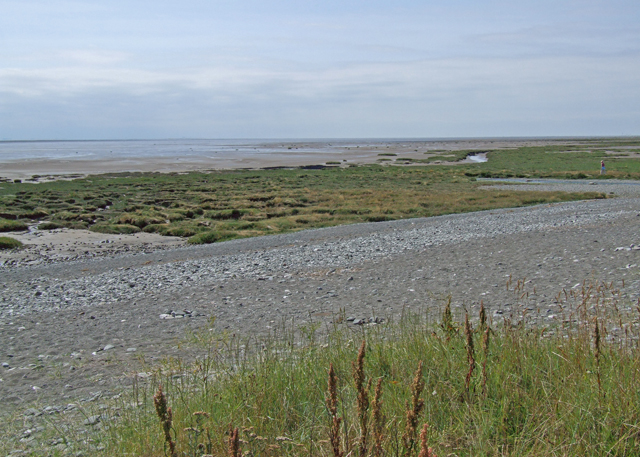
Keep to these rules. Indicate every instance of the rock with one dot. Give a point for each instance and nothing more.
(5, 365)
(92, 420)
(107, 347)
(32, 412)
(132, 349)
(358, 321)
(166, 316)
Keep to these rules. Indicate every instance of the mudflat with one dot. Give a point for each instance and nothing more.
(274, 154)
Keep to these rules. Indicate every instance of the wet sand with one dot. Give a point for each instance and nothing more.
(289, 154)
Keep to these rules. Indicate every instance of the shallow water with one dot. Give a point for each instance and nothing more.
(176, 148)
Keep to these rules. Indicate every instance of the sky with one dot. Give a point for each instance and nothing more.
(140, 69)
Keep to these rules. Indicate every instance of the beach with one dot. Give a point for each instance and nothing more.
(86, 315)
(41, 161)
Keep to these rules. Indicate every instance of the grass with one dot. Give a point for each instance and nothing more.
(211, 206)
(457, 385)
(9, 243)
(12, 226)
(577, 161)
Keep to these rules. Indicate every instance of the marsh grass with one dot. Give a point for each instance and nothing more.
(220, 205)
(572, 161)
(7, 242)
(216, 206)
(556, 389)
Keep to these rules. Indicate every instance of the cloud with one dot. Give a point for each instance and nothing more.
(437, 97)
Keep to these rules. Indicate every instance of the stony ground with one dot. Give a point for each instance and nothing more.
(75, 332)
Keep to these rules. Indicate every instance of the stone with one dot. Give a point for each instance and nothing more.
(92, 420)
(107, 347)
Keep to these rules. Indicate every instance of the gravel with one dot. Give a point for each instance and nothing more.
(344, 247)
(61, 323)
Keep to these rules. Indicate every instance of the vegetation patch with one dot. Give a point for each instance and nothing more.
(115, 229)
(9, 243)
(12, 226)
(259, 202)
(454, 385)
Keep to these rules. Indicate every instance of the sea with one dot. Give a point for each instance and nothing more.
(130, 149)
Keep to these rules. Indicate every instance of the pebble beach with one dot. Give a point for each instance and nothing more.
(71, 316)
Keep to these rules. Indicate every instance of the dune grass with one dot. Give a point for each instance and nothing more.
(458, 384)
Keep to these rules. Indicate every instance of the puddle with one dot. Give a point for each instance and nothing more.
(478, 158)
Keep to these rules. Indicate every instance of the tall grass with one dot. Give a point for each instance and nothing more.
(561, 389)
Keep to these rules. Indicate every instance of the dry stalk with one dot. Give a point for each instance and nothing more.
(362, 399)
(234, 442)
(447, 324)
(485, 350)
(596, 338)
(413, 412)
(166, 418)
(468, 331)
(425, 450)
(332, 406)
(378, 420)
(483, 317)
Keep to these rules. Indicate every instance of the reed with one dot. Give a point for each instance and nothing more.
(596, 341)
(486, 336)
(362, 399)
(425, 450)
(378, 421)
(414, 409)
(166, 418)
(471, 361)
(332, 407)
(234, 442)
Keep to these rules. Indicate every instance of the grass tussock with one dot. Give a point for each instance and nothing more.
(7, 242)
(483, 388)
(12, 226)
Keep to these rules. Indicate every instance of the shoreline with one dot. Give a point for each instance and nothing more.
(181, 157)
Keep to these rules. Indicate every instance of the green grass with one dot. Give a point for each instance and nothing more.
(559, 161)
(12, 226)
(252, 203)
(533, 391)
(9, 243)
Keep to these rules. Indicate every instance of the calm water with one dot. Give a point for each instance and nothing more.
(134, 148)
(26, 150)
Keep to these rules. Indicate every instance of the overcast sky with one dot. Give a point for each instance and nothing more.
(116, 69)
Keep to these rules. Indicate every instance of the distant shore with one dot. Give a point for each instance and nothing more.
(198, 156)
